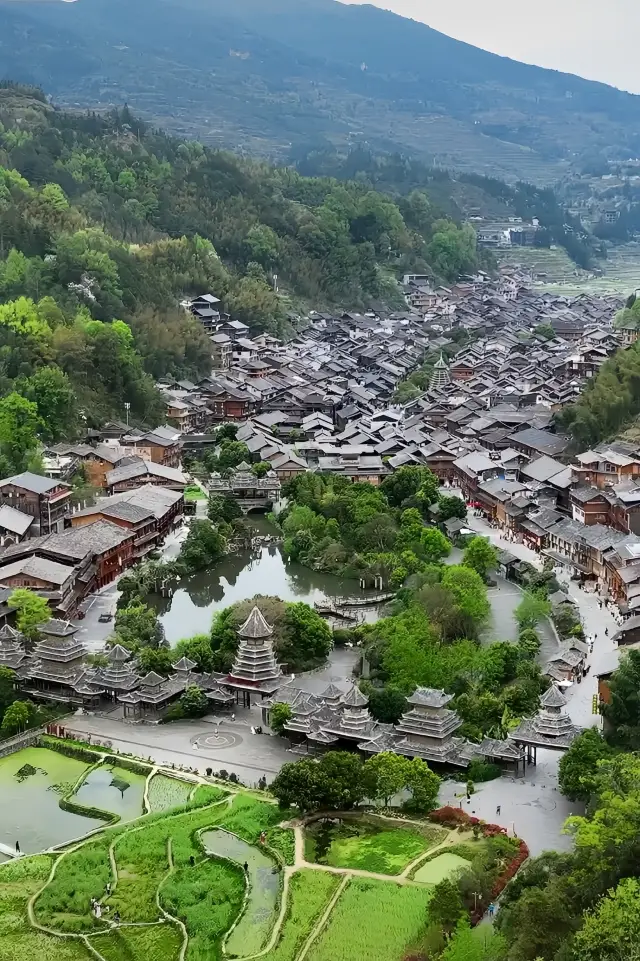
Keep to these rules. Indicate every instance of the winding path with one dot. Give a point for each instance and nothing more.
(300, 863)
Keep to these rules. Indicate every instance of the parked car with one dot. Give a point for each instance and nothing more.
(105, 618)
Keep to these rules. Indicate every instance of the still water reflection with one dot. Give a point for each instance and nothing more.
(239, 576)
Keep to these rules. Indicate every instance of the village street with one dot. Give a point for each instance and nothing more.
(596, 620)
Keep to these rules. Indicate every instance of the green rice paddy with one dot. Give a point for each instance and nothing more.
(373, 921)
(176, 879)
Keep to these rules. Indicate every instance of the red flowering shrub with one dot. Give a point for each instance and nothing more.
(451, 817)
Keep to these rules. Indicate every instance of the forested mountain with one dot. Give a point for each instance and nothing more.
(270, 76)
(105, 226)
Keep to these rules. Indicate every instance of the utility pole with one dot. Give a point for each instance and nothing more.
(127, 407)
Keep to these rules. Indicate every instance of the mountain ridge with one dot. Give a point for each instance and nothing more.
(271, 78)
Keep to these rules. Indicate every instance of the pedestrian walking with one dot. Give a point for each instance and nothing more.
(116, 917)
(606, 632)
(245, 867)
(492, 908)
(17, 847)
(498, 809)
(108, 889)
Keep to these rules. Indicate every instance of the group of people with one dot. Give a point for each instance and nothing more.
(97, 907)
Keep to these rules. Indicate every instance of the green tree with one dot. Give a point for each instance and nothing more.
(198, 649)
(232, 453)
(343, 775)
(223, 509)
(423, 784)
(451, 507)
(159, 660)
(203, 546)
(405, 483)
(446, 906)
(261, 469)
(306, 637)
(387, 704)
(623, 710)
(138, 626)
(279, 715)
(531, 610)
(19, 427)
(612, 931)
(51, 391)
(578, 769)
(528, 644)
(194, 702)
(299, 784)
(469, 590)
(545, 331)
(226, 432)
(466, 945)
(434, 546)
(32, 610)
(7, 689)
(16, 718)
(386, 774)
(481, 556)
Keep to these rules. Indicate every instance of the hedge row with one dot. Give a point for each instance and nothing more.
(136, 767)
(69, 748)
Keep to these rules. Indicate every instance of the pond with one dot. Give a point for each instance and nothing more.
(256, 924)
(113, 789)
(242, 575)
(30, 811)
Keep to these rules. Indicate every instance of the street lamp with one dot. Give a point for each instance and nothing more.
(127, 407)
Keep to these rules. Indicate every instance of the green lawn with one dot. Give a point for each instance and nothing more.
(441, 867)
(373, 921)
(369, 845)
(194, 493)
(309, 893)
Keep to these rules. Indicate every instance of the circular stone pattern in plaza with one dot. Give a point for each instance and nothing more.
(217, 741)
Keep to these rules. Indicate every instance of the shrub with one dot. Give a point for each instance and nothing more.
(483, 771)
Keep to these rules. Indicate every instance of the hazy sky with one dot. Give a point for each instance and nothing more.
(593, 38)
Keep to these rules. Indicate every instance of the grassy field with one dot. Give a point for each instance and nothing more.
(18, 942)
(441, 867)
(373, 921)
(194, 493)
(160, 942)
(309, 894)
(369, 845)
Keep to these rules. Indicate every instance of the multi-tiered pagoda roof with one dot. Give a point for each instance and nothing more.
(255, 667)
(551, 727)
(12, 651)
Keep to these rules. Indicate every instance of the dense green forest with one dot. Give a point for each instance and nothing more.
(457, 195)
(106, 224)
(609, 404)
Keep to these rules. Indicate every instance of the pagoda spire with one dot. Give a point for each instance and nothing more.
(441, 375)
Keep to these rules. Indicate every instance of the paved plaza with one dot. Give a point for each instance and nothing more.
(531, 806)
